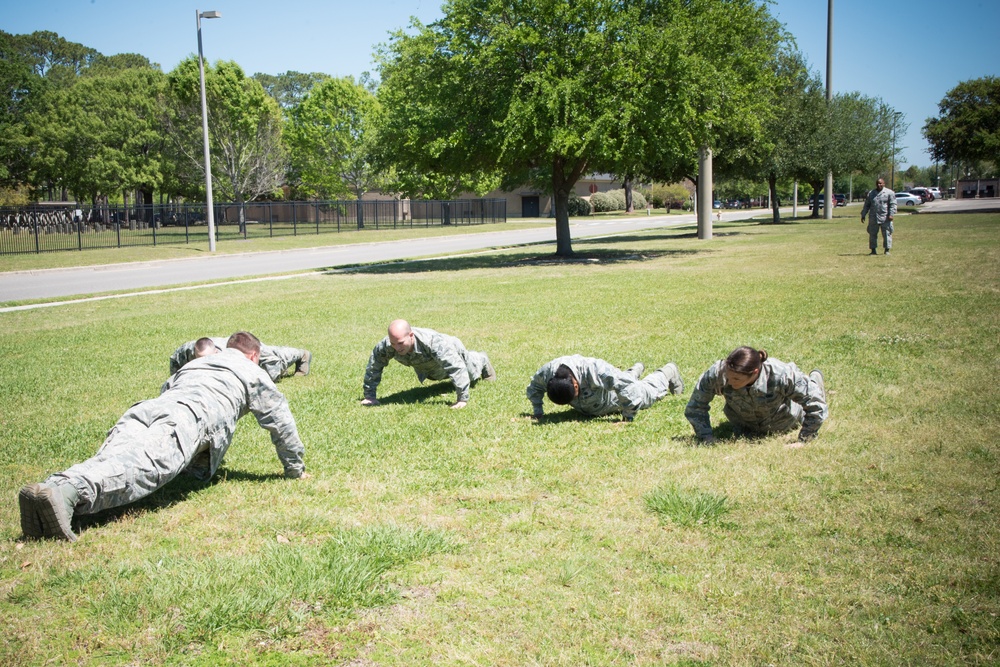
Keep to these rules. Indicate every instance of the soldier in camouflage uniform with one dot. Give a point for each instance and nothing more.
(432, 355)
(595, 388)
(881, 203)
(187, 428)
(762, 396)
(275, 360)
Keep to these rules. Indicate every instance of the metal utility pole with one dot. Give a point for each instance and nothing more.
(705, 193)
(209, 206)
(828, 203)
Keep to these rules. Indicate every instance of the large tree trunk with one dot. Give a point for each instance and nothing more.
(243, 214)
(772, 184)
(817, 187)
(629, 206)
(562, 186)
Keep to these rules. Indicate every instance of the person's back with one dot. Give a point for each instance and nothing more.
(221, 388)
(188, 427)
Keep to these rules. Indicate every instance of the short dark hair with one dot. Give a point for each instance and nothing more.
(560, 387)
(245, 342)
(202, 346)
(745, 360)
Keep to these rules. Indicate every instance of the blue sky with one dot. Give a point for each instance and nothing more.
(908, 52)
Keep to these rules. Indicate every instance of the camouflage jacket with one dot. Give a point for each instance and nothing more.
(765, 405)
(882, 205)
(219, 389)
(604, 389)
(435, 355)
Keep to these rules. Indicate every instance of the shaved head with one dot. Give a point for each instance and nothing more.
(401, 336)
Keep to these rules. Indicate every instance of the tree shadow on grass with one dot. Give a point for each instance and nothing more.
(176, 491)
(508, 261)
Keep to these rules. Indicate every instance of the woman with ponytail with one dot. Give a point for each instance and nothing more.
(762, 395)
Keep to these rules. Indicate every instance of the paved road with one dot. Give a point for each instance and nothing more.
(57, 283)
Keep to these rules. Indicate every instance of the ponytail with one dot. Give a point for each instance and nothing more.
(746, 360)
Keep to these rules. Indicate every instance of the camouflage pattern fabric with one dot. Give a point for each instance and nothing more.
(188, 428)
(604, 388)
(275, 360)
(435, 355)
(882, 207)
(782, 398)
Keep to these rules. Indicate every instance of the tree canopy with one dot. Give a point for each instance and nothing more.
(329, 136)
(244, 129)
(549, 89)
(967, 128)
(289, 88)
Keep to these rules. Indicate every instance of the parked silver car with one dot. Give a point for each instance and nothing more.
(907, 199)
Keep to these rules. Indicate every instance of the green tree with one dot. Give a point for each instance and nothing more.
(855, 135)
(102, 135)
(329, 137)
(58, 60)
(967, 128)
(553, 89)
(20, 89)
(244, 125)
(290, 88)
(700, 82)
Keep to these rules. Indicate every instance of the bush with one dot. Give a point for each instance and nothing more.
(673, 195)
(602, 202)
(578, 206)
(638, 199)
(614, 200)
(619, 198)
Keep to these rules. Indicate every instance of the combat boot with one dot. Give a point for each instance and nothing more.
(302, 365)
(674, 380)
(638, 368)
(47, 510)
(489, 373)
(816, 375)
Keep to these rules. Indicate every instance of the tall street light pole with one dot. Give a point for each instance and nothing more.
(892, 177)
(209, 209)
(828, 202)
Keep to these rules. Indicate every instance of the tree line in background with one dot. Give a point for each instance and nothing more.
(488, 97)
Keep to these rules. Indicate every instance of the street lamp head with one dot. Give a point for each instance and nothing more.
(211, 15)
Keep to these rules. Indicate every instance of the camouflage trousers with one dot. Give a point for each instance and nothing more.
(276, 361)
(650, 389)
(873, 230)
(475, 363)
(152, 442)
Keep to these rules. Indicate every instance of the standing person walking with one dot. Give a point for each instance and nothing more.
(881, 204)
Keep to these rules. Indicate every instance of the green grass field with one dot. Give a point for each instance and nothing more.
(428, 536)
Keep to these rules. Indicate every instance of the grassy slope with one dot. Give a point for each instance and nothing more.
(504, 542)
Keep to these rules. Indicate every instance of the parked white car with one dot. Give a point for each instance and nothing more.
(936, 192)
(907, 199)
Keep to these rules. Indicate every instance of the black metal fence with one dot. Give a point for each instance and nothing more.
(50, 227)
